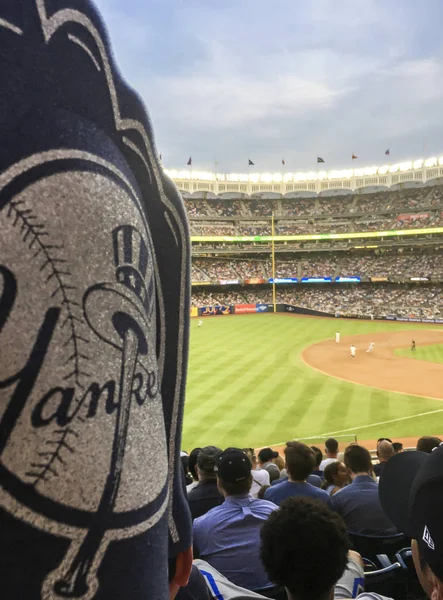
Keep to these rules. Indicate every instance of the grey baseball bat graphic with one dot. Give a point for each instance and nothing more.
(74, 582)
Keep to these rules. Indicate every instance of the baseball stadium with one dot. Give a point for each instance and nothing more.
(281, 263)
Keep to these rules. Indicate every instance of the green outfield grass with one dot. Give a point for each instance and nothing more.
(431, 353)
(247, 386)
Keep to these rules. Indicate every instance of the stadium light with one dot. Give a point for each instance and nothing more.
(301, 176)
(254, 177)
(288, 177)
(417, 164)
(406, 166)
(431, 162)
(383, 170)
(266, 177)
(394, 168)
(322, 175)
(440, 160)
(277, 178)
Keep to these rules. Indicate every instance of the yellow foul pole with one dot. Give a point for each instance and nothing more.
(273, 265)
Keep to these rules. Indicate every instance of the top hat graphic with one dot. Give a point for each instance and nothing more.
(113, 308)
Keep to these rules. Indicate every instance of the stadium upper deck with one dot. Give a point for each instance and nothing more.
(386, 176)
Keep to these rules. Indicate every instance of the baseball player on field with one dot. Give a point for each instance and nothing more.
(353, 351)
(337, 337)
(371, 347)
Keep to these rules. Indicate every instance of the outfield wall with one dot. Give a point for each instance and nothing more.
(241, 309)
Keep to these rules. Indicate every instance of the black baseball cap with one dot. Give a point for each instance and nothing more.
(411, 494)
(206, 458)
(233, 465)
(267, 454)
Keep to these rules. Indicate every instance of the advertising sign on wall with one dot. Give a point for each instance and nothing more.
(209, 311)
(245, 308)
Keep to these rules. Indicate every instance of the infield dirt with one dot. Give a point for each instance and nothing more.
(381, 368)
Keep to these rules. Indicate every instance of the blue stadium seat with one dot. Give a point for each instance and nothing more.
(370, 546)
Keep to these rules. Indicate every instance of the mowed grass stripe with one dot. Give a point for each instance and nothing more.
(431, 353)
(247, 385)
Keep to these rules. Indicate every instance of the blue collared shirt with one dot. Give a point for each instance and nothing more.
(290, 489)
(359, 505)
(228, 538)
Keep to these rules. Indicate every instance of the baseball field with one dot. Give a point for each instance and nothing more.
(258, 380)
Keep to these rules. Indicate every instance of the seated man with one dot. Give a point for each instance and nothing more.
(385, 450)
(265, 458)
(300, 461)
(304, 547)
(358, 503)
(206, 494)
(228, 536)
(260, 477)
(331, 451)
(428, 443)
(318, 460)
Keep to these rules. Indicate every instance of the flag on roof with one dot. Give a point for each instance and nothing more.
(319, 159)
(189, 163)
(354, 157)
(250, 163)
(283, 161)
(387, 152)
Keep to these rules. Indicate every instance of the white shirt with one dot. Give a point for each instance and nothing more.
(325, 462)
(191, 486)
(259, 478)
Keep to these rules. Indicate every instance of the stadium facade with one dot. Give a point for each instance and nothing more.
(358, 242)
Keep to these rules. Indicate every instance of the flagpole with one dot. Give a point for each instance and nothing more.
(273, 263)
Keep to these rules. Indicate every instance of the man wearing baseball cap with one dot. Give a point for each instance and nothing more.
(228, 536)
(411, 493)
(205, 495)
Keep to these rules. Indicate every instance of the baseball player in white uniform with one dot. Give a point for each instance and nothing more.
(337, 337)
(353, 350)
(200, 323)
(371, 347)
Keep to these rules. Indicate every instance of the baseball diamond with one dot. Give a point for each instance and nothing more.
(296, 382)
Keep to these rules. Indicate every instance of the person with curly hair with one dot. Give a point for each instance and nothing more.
(305, 548)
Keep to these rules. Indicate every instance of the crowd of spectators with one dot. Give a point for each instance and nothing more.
(317, 209)
(361, 300)
(322, 266)
(265, 526)
(389, 264)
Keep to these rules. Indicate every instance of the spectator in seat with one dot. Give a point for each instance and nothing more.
(427, 443)
(398, 447)
(192, 468)
(300, 461)
(280, 462)
(336, 477)
(318, 460)
(385, 450)
(411, 493)
(228, 536)
(358, 503)
(331, 451)
(206, 494)
(260, 477)
(266, 456)
(185, 464)
(305, 548)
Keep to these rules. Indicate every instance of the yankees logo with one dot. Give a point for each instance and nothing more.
(83, 368)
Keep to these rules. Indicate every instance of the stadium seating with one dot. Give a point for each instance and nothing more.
(371, 546)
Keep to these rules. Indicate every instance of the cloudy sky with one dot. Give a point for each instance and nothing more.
(229, 80)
